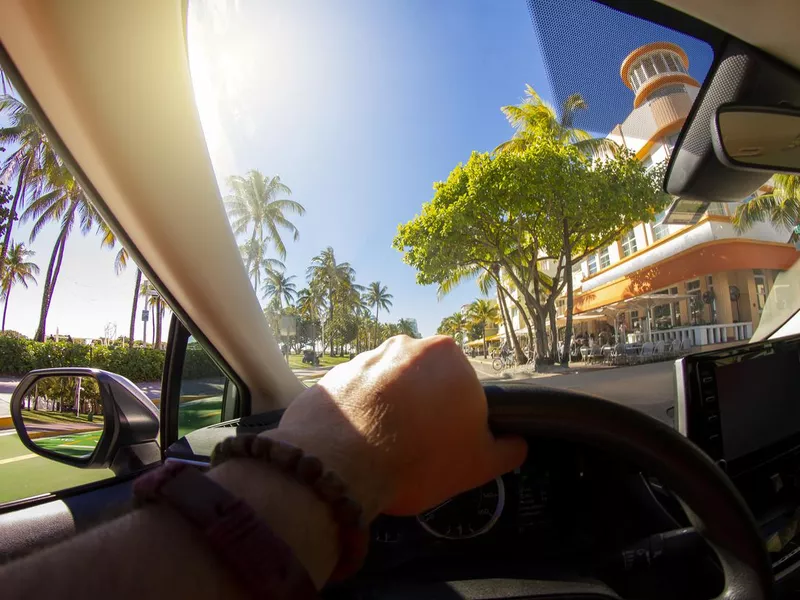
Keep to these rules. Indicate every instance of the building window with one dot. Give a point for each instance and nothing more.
(649, 67)
(629, 243)
(591, 262)
(605, 259)
(634, 320)
(696, 302)
(761, 289)
(659, 229)
(716, 208)
(662, 313)
(669, 142)
(676, 309)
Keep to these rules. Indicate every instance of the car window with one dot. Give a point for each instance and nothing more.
(71, 297)
(204, 388)
(488, 171)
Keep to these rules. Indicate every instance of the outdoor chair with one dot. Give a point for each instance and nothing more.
(595, 354)
(646, 353)
(618, 355)
(658, 350)
(686, 346)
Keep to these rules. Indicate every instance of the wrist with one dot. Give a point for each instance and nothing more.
(291, 510)
(349, 458)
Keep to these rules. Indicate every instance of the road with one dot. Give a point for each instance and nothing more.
(649, 388)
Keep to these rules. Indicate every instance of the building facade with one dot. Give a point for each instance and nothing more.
(715, 280)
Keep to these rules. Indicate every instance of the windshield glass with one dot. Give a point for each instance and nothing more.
(486, 170)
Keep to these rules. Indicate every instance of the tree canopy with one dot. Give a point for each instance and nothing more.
(545, 204)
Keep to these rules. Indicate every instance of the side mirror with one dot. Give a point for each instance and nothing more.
(86, 418)
(757, 138)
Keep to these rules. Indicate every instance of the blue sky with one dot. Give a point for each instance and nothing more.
(359, 106)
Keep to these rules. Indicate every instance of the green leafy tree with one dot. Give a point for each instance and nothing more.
(18, 269)
(780, 206)
(378, 296)
(546, 204)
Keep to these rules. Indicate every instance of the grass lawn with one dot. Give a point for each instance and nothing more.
(199, 413)
(296, 361)
(33, 475)
(51, 417)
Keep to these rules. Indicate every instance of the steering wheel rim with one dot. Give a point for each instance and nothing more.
(713, 504)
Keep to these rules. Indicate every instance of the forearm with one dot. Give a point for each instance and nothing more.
(155, 553)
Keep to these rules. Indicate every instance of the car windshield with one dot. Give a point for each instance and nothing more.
(486, 170)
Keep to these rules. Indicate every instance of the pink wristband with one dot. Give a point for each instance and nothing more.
(262, 562)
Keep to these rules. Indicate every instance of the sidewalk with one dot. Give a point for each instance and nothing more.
(484, 367)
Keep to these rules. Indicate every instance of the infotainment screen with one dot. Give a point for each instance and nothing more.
(741, 404)
(759, 401)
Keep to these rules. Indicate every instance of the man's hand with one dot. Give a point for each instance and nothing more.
(405, 425)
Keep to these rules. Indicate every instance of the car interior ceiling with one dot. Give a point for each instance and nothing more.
(582, 518)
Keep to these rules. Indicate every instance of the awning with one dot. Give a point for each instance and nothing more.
(492, 338)
(518, 332)
(474, 343)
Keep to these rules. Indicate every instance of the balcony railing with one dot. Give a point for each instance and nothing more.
(702, 335)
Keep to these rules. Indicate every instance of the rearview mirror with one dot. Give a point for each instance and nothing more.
(757, 138)
(86, 418)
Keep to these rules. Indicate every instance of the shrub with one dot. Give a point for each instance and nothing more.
(18, 356)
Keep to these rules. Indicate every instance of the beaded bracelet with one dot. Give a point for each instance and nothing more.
(328, 486)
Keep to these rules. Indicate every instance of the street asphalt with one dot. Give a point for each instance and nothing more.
(649, 388)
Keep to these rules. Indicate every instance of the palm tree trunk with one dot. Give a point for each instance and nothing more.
(12, 214)
(135, 305)
(49, 284)
(485, 353)
(159, 323)
(510, 333)
(5, 307)
(377, 308)
(153, 327)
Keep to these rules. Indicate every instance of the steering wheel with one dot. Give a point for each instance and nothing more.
(713, 504)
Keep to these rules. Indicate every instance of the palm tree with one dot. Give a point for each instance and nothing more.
(310, 303)
(17, 270)
(254, 207)
(534, 118)
(257, 262)
(278, 287)
(62, 200)
(780, 206)
(406, 327)
(484, 313)
(121, 260)
(32, 159)
(157, 306)
(331, 279)
(379, 297)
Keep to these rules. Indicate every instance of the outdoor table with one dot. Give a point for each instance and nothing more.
(584, 353)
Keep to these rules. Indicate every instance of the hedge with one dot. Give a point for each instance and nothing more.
(19, 355)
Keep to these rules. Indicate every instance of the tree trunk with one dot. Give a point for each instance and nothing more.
(5, 307)
(135, 305)
(568, 275)
(158, 325)
(153, 327)
(510, 333)
(485, 354)
(49, 284)
(377, 324)
(551, 313)
(12, 214)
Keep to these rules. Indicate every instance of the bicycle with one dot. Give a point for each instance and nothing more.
(503, 362)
